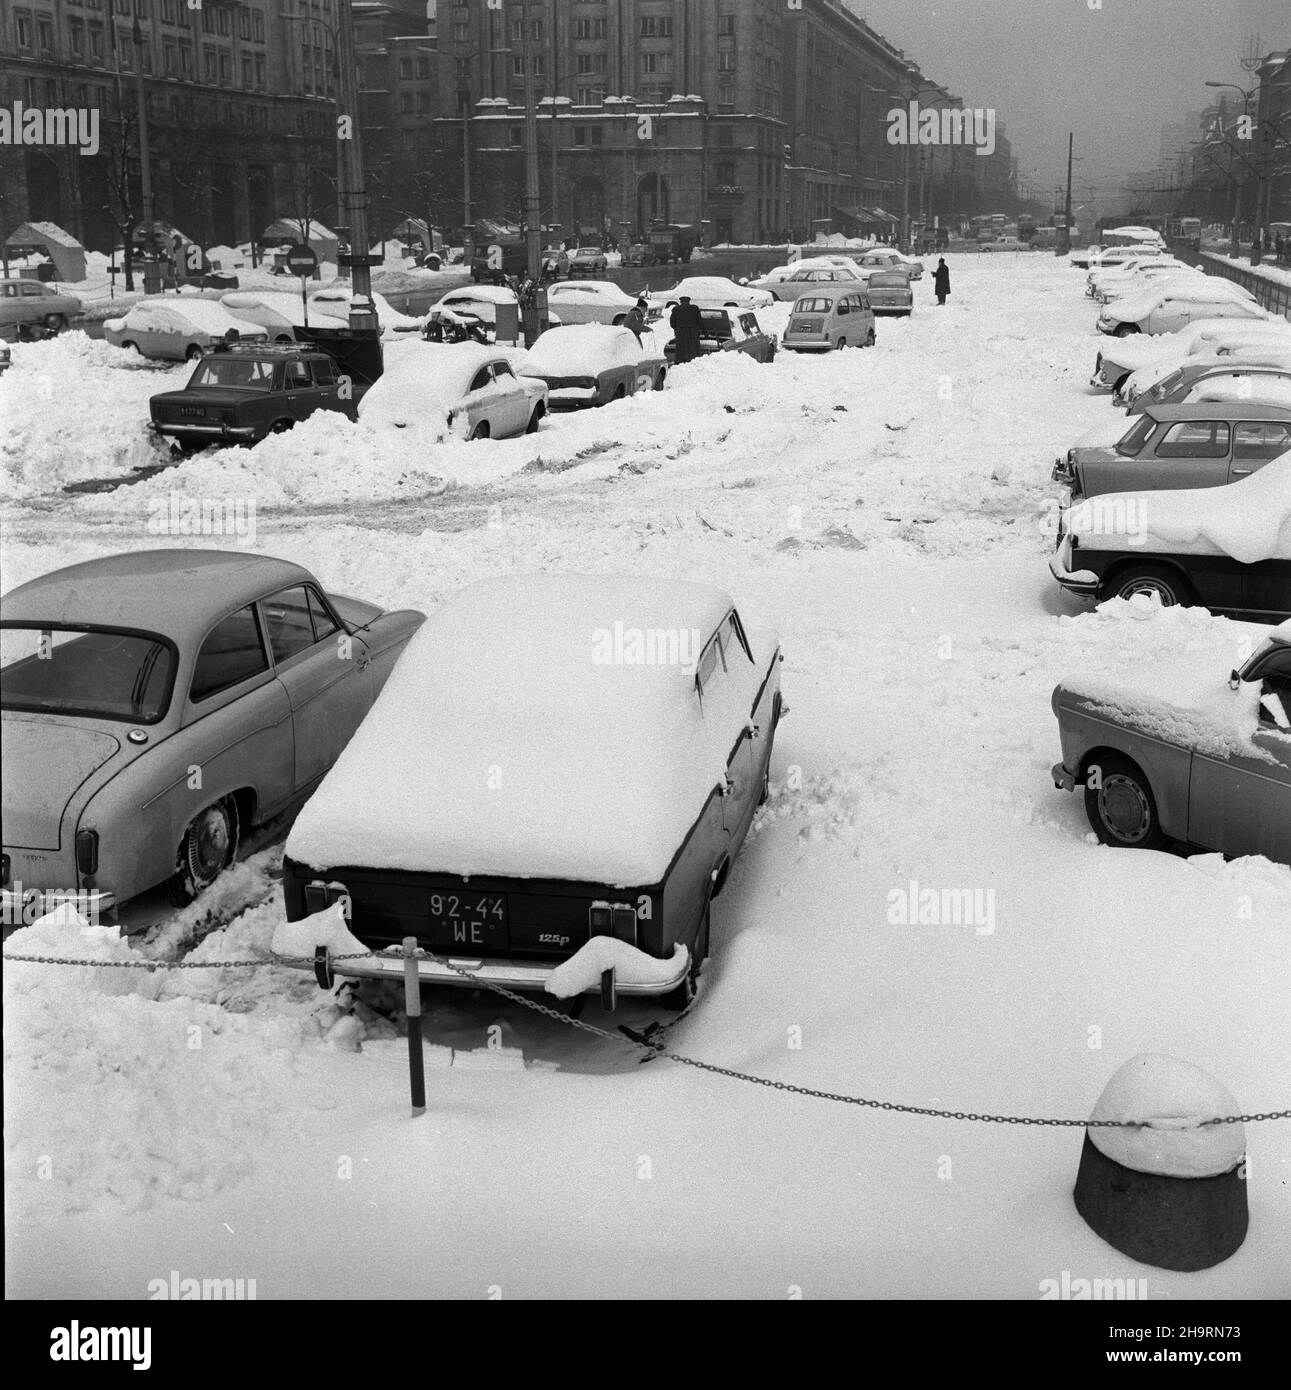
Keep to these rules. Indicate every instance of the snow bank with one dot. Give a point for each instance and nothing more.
(327, 928)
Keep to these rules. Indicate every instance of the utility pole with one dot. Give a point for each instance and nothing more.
(532, 195)
(1064, 241)
(145, 158)
(350, 164)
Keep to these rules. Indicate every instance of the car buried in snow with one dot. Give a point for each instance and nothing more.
(724, 330)
(179, 328)
(1223, 548)
(593, 364)
(160, 704)
(1177, 304)
(598, 782)
(1200, 763)
(589, 301)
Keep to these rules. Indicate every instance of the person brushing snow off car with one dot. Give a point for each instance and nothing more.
(941, 280)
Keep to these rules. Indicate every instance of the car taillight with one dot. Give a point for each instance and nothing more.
(618, 920)
(319, 896)
(87, 851)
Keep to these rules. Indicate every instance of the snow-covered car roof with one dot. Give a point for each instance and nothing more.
(489, 294)
(422, 382)
(605, 761)
(599, 289)
(704, 285)
(1265, 388)
(283, 305)
(177, 592)
(1208, 290)
(340, 295)
(1249, 520)
(204, 315)
(582, 349)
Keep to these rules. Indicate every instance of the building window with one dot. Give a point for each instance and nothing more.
(168, 11)
(226, 69)
(726, 60)
(591, 62)
(589, 28)
(257, 26)
(588, 135)
(77, 32)
(656, 62)
(405, 103)
(405, 68)
(260, 73)
(461, 32)
(208, 21)
(726, 24)
(246, 70)
(226, 22)
(209, 64)
(22, 30)
(45, 35)
(726, 172)
(244, 24)
(423, 68)
(726, 96)
(657, 26)
(514, 133)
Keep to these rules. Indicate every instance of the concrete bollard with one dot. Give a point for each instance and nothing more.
(1170, 1192)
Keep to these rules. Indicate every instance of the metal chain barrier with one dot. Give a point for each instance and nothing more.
(652, 1046)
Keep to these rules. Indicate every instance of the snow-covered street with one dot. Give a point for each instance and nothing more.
(890, 513)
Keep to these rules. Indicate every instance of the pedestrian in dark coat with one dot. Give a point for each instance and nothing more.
(635, 318)
(686, 322)
(941, 280)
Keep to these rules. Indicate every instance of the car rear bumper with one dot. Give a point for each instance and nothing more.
(821, 346)
(472, 973)
(1062, 779)
(27, 905)
(1074, 581)
(205, 431)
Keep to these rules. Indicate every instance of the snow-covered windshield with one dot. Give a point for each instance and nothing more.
(98, 674)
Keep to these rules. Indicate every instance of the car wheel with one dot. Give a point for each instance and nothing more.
(207, 849)
(131, 347)
(1152, 581)
(870, 338)
(283, 338)
(193, 353)
(618, 322)
(281, 426)
(481, 430)
(56, 323)
(683, 996)
(840, 345)
(1123, 330)
(1120, 806)
(620, 392)
(663, 376)
(535, 419)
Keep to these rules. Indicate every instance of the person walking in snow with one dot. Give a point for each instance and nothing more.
(941, 280)
(685, 322)
(635, 318)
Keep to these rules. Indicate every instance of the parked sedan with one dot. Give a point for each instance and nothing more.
(712, 292)
(1205, 762)
(584, 260)
(24, 301)
(888, 258)
(1117, 361)
(593, 364)
(723, 331)
(1169, 309)
(482, 301)
(1259, 377)
(810, 277)
(469, 390)
(890, 293)
(1202, 445)
(1006, 243)
(657, 713)
(159, 705)
(1227, 548)
(280, 313)
(590, 301)
(178, 327)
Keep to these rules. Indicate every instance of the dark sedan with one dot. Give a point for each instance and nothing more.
(729, 330)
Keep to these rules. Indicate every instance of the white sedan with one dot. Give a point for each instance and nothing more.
(888, 258)
(335, 300)
(810, 275)
(712, 292)
(177, 327)
(280, 313)
(461, 389)
(482, 301)
(589, 301)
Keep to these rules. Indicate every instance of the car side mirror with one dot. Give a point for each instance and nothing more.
(1234, 680)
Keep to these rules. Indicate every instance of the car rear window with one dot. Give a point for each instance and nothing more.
(1131, 444)
(889, 280)
(809, 305)
(233, 652)
(235, 373)
(99, 674)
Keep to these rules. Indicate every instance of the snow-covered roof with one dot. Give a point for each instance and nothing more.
(582, 349)
(422, 382)
(491, 294)
(600, 289)
(279, 304)
(45, 231)
(567, 760)
(206, 315)
(1269, 388)
(1205, 290)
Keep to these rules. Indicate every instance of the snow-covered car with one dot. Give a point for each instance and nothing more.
(720, 330)
(712, 292)
(1185, 756)
(589, 301)
(829, 319)
(1174, 306)
(577, 814)
(240, 393)
(179, 327)
(120, 676)
(280, 313)
(1199, 445)
(24, 301)
(778, 273)
(1117, 361)
(888, 258)
(482, 301)
(1262, 377)
(1226, 548)
(470, 390)
(890, 292)
(335, 301)
(809, 277)
(593, 364)
(1122, 286)
(1006, 243)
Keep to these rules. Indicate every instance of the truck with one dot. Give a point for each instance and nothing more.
(673, 241)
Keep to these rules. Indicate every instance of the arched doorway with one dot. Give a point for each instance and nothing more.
(589, 210)
(653, 204)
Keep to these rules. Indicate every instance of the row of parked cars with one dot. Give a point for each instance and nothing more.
(1184, 499)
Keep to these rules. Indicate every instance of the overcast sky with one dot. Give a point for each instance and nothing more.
(1114, 75)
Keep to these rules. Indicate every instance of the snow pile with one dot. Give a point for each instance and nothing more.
(1249, 520)
(583, 970)
(604, 667)
(582, 349)
(327, 928)
(1175, 1099)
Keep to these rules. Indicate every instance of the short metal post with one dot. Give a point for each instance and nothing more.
(412, 1007)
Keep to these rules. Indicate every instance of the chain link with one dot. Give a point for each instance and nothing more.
(653, 1047)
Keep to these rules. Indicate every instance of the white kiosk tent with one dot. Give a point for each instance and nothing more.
(63, 250)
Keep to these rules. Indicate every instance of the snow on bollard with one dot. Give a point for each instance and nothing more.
(1170, 1192)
